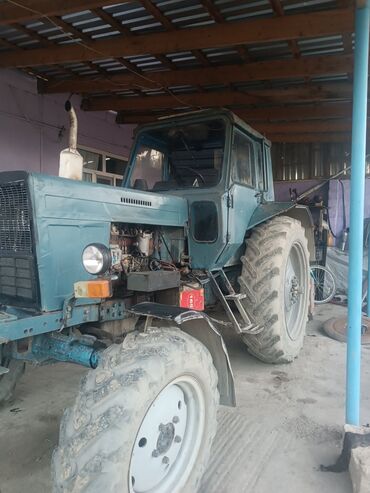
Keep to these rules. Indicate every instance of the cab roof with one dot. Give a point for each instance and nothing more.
(197, 115)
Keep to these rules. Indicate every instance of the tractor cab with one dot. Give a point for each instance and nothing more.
(202, 149)
(218, 163)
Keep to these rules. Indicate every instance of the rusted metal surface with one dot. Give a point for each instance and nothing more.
(336, 328)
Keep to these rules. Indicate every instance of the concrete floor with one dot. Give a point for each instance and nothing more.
(288, 421)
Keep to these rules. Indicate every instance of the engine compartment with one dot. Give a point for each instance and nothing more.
(152, 263)
(140, 248)
(137, 248)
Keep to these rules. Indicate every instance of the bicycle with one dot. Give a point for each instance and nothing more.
(324, 284)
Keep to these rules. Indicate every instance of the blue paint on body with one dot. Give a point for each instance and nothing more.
(67, 215)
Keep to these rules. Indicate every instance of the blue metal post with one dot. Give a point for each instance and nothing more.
(359, 115)
(368, 280)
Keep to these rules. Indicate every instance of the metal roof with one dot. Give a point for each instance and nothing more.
(59, 27)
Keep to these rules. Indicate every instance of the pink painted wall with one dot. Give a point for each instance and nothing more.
(34, 128)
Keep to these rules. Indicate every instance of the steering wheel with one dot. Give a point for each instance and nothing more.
(196, 173)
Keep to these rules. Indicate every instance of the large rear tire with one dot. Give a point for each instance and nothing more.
(144, 420)
(275, 279)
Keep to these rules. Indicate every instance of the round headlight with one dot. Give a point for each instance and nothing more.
(96, 258)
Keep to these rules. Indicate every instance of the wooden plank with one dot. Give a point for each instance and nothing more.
(225, 74)
(212, 10)
(219, 98)
(215, 14)
(279, 11)
(294, 127)
(324, 126)
(167, 24)
(307, 138)
(195, 100)
(264, 30)
(34, 9)
(298, 112)
(270, 113)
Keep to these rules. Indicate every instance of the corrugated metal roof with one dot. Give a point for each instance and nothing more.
(136, 18)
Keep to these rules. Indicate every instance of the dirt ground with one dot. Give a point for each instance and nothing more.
(288, 421)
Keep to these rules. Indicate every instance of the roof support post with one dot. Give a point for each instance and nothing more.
(362, 24)
(368, 281)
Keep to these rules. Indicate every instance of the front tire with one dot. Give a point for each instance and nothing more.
(275, 279)
(144, 420)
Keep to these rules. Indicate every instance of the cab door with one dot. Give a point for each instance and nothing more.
(246, 189)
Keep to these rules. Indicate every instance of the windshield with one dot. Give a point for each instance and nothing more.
(175, 157)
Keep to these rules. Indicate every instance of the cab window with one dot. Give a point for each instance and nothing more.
(148, 168)
(243, 159)
(261, 179)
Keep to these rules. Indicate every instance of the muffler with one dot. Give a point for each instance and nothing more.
(70, 160)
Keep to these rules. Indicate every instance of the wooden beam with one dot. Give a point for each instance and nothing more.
(220, 98)
(225, 74)
(319, 126)
(216, 15)
(34, 9)
(33, 35)
(157, 14)
(75, 33)
(195, 100)
(216, 36)
(296, 112)
(279, 11)
(310, 138)
(167, 24)
(212, 10)
(118, 26)
(269, 128)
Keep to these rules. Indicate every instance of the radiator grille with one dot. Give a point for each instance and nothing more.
(15, 224)
(16, 278)
(18, 274)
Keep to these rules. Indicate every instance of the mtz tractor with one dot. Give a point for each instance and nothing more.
(118, 278)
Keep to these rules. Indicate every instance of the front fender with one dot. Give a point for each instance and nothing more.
(200, 326)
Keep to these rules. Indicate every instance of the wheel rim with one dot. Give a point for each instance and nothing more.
(169, 438)
(295, 291)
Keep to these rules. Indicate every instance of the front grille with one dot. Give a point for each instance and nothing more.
(15, 223)
(16, 277)
(18, 273)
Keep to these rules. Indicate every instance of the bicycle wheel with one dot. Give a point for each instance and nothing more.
(324, 283)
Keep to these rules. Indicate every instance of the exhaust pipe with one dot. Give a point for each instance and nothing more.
(70, 160)
(73, 125)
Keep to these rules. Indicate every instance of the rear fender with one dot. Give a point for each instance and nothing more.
(201, 327)
(303, 214)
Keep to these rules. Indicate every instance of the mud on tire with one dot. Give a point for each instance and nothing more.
(263, 279)
(98, 433)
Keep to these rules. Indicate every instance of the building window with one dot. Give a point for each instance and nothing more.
(102, 167)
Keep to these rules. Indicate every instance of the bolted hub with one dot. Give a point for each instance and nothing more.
(161, 452)
(294, 290)
(165, 439)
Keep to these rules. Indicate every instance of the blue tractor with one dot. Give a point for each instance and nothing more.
(117, 279)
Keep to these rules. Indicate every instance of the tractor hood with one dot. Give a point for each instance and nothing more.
(48, 221)
(56, 197)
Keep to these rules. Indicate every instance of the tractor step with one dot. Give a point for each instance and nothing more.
(235, 296)
(243, 324)
(3, 370)
(252, 329)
